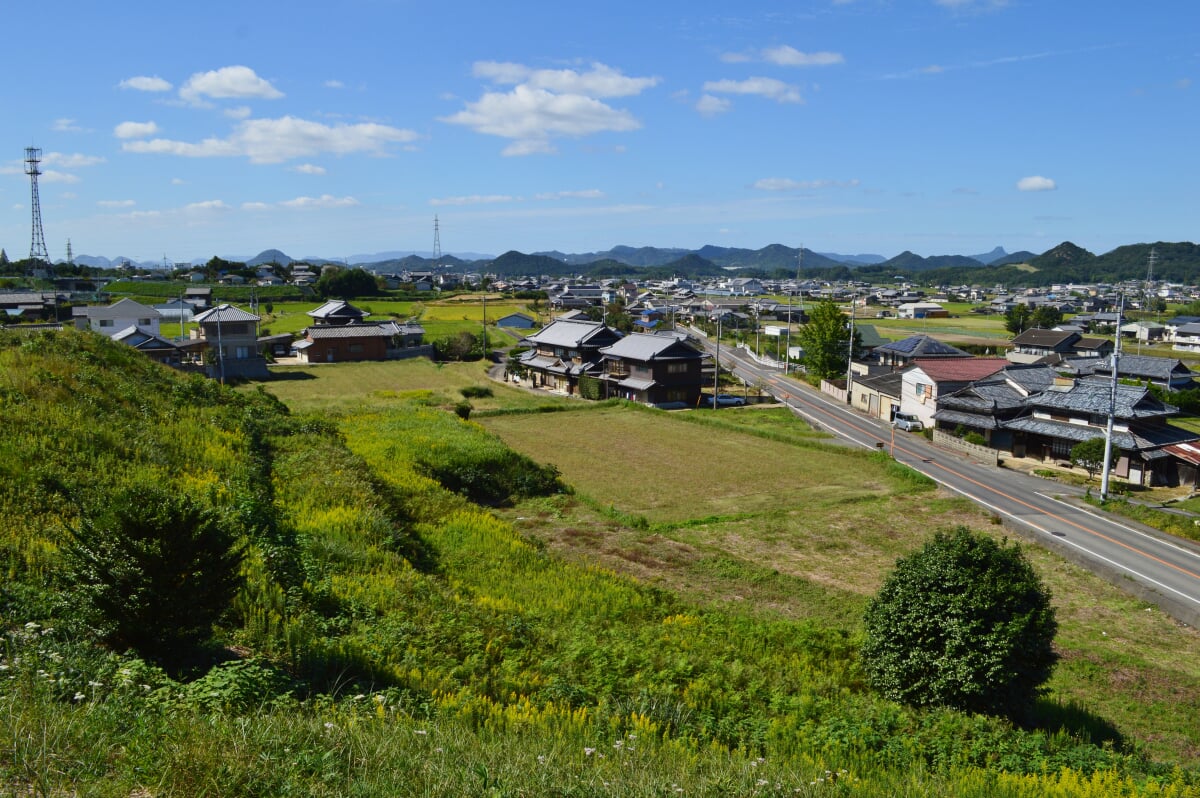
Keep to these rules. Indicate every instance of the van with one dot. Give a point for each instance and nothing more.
(907, 422)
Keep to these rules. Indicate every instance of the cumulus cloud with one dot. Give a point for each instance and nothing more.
(769, 88)
(788, 184)
(255, 206)
(71, 161)
(240, 112)
(545, 104)
(135, 130)
(1036, 183)
(127, 203)
(323, 201)
(309, 169)
(206, 206)
(65, 125)
(54, 176)
(143, 83)
(711, 105)
(231, 82)
(601, 81)
(474, 199)
(591, 193)
(278, 140)
(790, 56)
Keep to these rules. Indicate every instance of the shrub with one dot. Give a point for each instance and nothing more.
(475, 392)
(154, 571)
(964, 622)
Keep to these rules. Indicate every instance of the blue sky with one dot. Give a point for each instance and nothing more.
(852, 126)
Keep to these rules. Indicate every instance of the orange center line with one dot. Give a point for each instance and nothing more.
(871, 433)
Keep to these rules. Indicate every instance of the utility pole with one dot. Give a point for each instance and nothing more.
(850, 353)
(717, 362)
(1112, 407)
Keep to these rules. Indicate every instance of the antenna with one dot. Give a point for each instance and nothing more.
(1150, 279)
(37, 246)
(70, 255)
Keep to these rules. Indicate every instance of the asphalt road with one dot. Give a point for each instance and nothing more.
(1151, 565)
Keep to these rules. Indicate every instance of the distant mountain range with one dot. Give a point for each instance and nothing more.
(1066, 262)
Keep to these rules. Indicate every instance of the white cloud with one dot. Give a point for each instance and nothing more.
(53, 176)
(334, 84)
(135, 130)
(178, 181)
(309, 169)
(474, 199)
(1036, 183)
(711, 106)
(72, 161)
(143, 83)
(790, 56)
(240, 112)
(207, 205)
(769, 88)
(545, 104)
(787, 184)
(232, 82)
(255, 206)
(65, 125)
(601, 81)
(277, 140)
(323, 201)
(531, 114)
(128, 203)
(591, 193)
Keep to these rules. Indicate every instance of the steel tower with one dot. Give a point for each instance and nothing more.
(437, 244)
(37, 247)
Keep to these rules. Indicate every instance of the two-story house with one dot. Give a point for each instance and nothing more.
(653, 368)
(121, 315)
(563, 350)
(926, 380)
(228, 337)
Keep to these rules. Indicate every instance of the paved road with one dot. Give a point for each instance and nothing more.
(1156, 567)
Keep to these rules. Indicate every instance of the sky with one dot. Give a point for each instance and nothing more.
(182, 131)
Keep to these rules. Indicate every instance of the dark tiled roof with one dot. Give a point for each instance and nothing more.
(921, 346)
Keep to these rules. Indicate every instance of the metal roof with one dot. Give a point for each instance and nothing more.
(921, 346)
(225, 313)
(571, 333)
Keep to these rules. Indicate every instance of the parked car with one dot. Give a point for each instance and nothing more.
(724, 400)
(907, 422)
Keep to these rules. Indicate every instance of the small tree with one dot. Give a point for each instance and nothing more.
(1016, 320)
(964, 622)
(826, 341)
(1089, 455)
(154, 570)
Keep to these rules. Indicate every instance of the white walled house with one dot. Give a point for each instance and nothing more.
(925, 380)
(121, 315)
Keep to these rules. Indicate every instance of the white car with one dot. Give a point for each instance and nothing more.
(907, 422)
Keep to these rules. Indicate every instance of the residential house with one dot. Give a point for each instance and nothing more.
(228, 338)
(985, 404)
(517, 321)
(1187, 337)
(341, 343)
(1036, 345)
(122, 314)
(1144, 331)
(152, 346)
(878, 395)
(29, 306)
(900, 353)
(564, 350)
(921, 310)
(927, 380)
(336, 312)
(198, 297)
(1165, 372)
(653, 368)
(1073, 411)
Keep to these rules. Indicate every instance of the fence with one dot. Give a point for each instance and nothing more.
(983, 454)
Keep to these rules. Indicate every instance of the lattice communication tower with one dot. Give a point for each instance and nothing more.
(437, 244)
(37, 248)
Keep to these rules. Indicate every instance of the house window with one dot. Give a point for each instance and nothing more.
(677, 368)
(921, 389)
(241, 353)
(144, 322)
(106, 322)
(356, 348)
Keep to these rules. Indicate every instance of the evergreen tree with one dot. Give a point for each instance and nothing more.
(826, 339)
